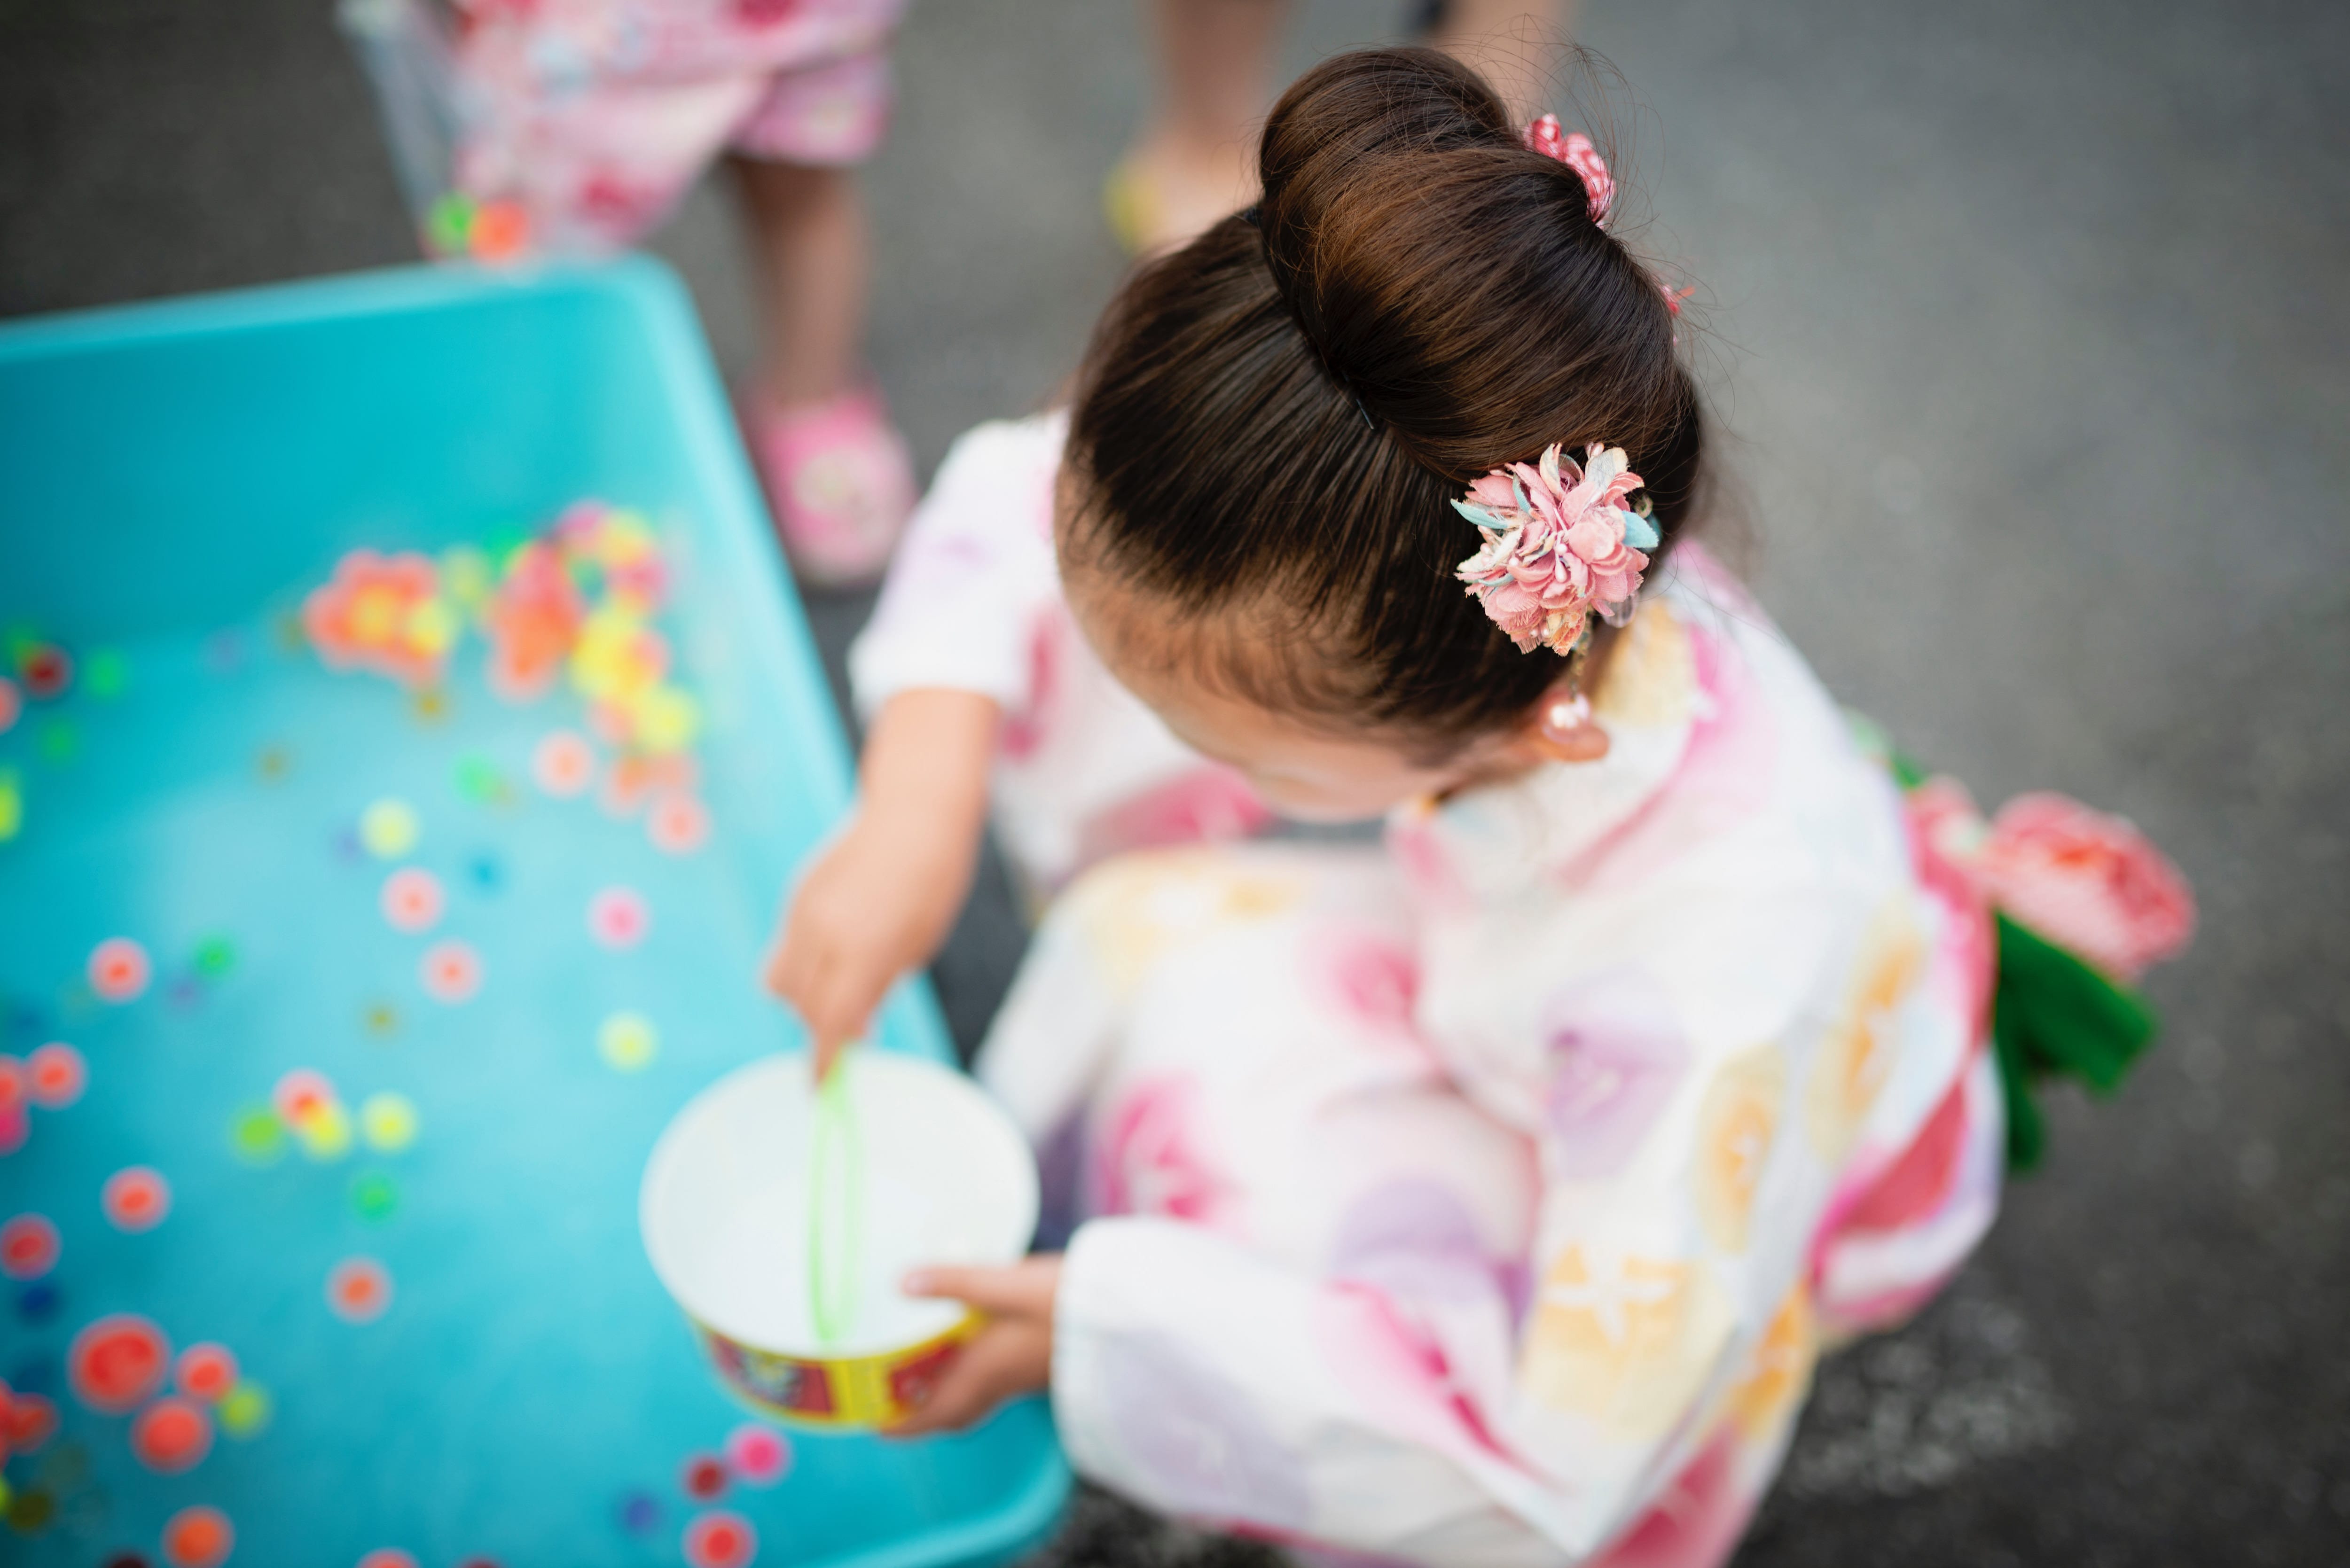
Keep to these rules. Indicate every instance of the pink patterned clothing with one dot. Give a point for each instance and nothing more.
(596, 115)
(1484, 1197)
(974, 603)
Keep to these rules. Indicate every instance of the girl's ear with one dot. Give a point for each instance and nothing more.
(1561, 729)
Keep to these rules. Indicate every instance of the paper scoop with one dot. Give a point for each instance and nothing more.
(781, 1216)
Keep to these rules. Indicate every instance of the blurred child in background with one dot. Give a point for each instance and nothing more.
(1196, 161)
(569, 127)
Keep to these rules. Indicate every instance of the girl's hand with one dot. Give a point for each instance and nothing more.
(879, 901)
(1010, 1354)
(876, 904)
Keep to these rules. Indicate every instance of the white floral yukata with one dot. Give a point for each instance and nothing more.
(1485, 1196)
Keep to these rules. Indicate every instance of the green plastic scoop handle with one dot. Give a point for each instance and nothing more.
(835, 1205)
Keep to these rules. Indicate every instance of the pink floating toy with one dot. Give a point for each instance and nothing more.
(119, 969)
(358, 1290)
(678, 824)
(759, 1456)
(451, 972)
(136, 1198)
(618, 917)
(54, 1075)
(412, 899)
(563, 765)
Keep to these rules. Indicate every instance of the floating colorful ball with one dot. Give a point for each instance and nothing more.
(54, 1075)
(116, 1362)
(119, 969)
(388, 1121)
(257, 1136)
(247, 1410)
(389, 828)
(205, 1371)
(618, 917)
(358, 1290)
(678, 824)
(374, 1196)
(27, 1422)
(412, 899)
(171, 1436)
(197, 1537)
(563, 765)
(136, 1198)
(302, 1095)
(47, 670)
(720, 1539)
(702, 1476)
(759, 1456)
(451, 972)
(628, 1041)
(28, 1247)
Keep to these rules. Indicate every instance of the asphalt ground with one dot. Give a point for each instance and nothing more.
(2028, 326)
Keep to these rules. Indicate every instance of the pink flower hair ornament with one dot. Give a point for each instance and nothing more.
(1574, 150)
(1560, 543)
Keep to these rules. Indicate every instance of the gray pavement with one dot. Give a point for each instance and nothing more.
(2031, 327)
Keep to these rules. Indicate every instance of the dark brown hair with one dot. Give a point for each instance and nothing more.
(1277, 416)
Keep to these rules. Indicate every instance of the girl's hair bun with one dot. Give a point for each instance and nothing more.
(1413, 260)
(1451, 276)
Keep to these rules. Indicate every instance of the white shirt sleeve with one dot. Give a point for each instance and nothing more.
(975, 570)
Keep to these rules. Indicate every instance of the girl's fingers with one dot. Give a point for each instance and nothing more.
(999, 1363)
(1021, 1289)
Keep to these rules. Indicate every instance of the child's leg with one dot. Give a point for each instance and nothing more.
(837, 471)
(814, 255)
(1197, 159)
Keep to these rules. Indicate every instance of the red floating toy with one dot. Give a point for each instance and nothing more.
(54, 1075)
(119, 969)
(358, 1290)
(116, 1362)
(171, 1436)
(199, 1537)
(704, 1477)
(136, 1198)
(205, 1372)
(720, 1539)
(46, 669)
(28, 1247)
(27, 1422)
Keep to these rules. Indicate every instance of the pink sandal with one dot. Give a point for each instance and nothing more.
(838, 480)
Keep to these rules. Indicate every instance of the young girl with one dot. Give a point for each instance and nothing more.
(1483, 1197)
(564, 127)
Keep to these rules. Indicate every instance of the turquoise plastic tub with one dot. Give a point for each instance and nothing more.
(173, 480)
